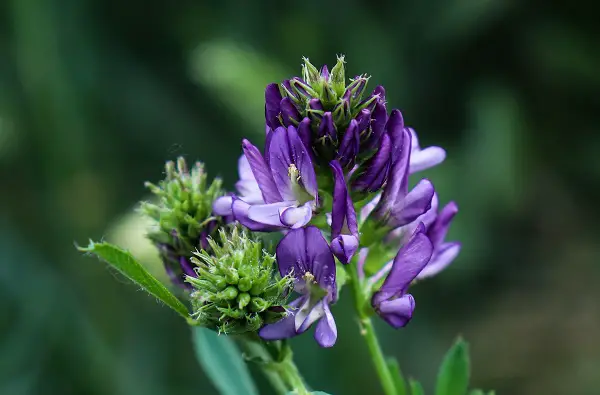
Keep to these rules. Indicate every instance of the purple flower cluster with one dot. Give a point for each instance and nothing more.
(317, 128)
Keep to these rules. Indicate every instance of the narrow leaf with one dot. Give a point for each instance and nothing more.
(476, 392)
(453, 376)
(399, 381)
(415, 387)
(223, 363)
(127, 265)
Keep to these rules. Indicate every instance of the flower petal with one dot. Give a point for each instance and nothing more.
(422, 159)
(415, 204)
(240, 211)
(284, 328)
(349, 145)
(296, 217)
(440, 260)
(326, 330)
(344, 247)
(305, 133)
(343, 218)
(305, 250)
(261, 173)
(222, 206)
(438, 230)
(286, 148)
(289, 112)
(397, 312)
(272, 100)
(376, 168)
(268, 214)
(397, 182)
(408, 263)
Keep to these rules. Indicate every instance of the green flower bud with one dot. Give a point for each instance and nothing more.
(238, 284)
(182, 216)
(338, 76)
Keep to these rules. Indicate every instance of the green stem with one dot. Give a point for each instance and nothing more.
(291, 374)
(277, 365)
(368, 333)
(256, 350)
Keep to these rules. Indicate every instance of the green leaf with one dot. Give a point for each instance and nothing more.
(453, 376)
(415, 387)
(399, 381)
(127, 265)
(476, 392)
(223, 362)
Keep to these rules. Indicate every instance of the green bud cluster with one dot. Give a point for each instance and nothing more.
(183, 214)
(238, 288)
(344, 102)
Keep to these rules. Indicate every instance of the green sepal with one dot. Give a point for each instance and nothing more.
(127, 265)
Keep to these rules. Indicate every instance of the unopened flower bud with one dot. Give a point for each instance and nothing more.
(183, 215)
(289, 112)
(253, 287)
(338, 76)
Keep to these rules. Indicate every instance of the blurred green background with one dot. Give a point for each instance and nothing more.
(96, 95)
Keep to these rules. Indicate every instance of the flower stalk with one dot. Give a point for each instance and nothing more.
(368, 333)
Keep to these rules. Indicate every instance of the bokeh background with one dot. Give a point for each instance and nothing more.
(96, 95)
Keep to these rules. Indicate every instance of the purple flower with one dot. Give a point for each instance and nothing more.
(247, 188)
(350, 145)
(344, 228)
(287, 181)
(272, 108)
(304, 254)
(443, 252)
(391, 301)
(376, 168)
(399, 206)
(421, 159)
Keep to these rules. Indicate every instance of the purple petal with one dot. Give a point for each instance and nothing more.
(261, 172)
(325, 73)
(397, 183)
(349, 145)
(240, 213)
(397, 312)
(363, 119)
(327, 127)
(344, 247)
(222, 206)
(286, 148)
(440, 260)
(289, 112)
(343, 218)
(244, 169)
(380, 90)
(296, 217)
(305, 250)
(305, 133)
(413, 205)
(272, 100)
(422, 159)
(187, 267)
(438, 230)
(408, 263)
(268, 214)
(326, 330)
(377, 168)
(378, 122)
(284, 328)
